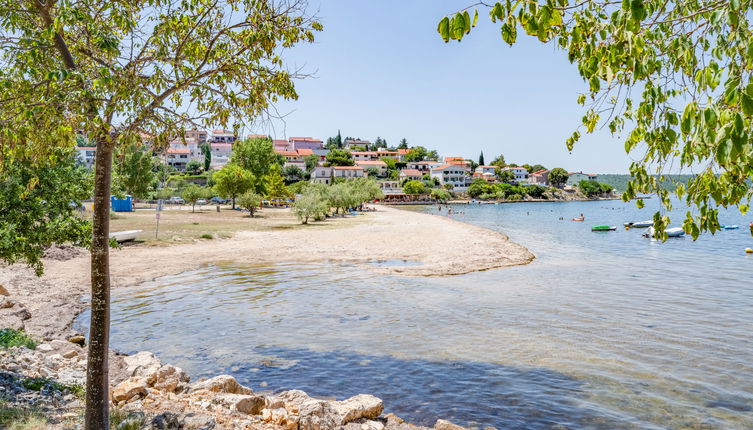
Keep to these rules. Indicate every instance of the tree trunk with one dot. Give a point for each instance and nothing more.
(97, 384)
(233, 202)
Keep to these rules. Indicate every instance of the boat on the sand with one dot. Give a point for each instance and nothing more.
(125, 236)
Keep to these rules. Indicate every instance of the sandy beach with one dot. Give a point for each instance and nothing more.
(443, 246)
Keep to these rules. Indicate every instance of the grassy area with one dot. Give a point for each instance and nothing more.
(180, 224)
(37, 384)
(15, 418)
(10, 337)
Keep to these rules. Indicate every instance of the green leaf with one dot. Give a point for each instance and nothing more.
(475, 17)
(723, 151)
(444, 29)
(467, 22)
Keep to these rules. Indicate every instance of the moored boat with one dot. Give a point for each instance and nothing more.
(639, 224)
(603, 228)
(671, 232)
(125, 236)
(730, 227)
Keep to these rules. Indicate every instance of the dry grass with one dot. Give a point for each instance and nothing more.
(180, 225)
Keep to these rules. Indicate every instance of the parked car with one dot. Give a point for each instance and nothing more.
(218, 200)
(174, 200)
(201, 202)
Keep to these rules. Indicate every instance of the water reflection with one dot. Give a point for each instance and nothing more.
(600, 331)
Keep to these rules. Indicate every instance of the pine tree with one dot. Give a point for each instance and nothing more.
(481, 159)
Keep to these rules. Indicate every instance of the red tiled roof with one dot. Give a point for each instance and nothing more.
(346, 168)
(363, 152)
(402, 151)
(305, 139)
(372, 163)
(178, 151)
(287, 153)
(442, 167)
(304, 151)
(539, 172)
(411, 172)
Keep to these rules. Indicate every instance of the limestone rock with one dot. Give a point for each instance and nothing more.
(130, 388)
(44, 347)
(77, 339)
(221, 384)
(166, 421)
(243, 403)
(168, 378)
(198, 422)
(142, 364)
(318, 415)
(357, 407)
(446, 425)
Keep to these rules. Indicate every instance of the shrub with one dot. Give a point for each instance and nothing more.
(207, 236)
(10, 338)
(249, 201)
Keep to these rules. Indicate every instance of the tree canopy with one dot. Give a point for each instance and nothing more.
(134, 170)
(232, 181)
(339, 157)
(257, 155)
(558, 176)
(672, 78)
(38, 204)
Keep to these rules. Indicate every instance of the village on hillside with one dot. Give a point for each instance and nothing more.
(405, 174)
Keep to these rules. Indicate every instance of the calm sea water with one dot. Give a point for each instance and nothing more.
(601, 331)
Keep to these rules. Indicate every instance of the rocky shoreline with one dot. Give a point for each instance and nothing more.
(147, 394)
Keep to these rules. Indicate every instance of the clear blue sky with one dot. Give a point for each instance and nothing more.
(382, 70)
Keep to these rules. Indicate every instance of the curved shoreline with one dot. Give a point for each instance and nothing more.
(443, 246)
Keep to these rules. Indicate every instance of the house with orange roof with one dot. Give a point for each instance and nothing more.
(178, 158)
(423, 166)
(379, 165)
(539, 177)
(411, 174)
(281, 145)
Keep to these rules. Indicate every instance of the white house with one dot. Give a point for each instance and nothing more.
(87, 155)
(356, 144)
(348, 172)
(380, 166)
(221, 153)
(178, 158)
(520, 174)
(223, 136)
(539, 177)
(322, 175)
(423, 166)
(305, 143)
(452, 174)
(575, 177)
(487, 169)
(364, 155)
(411, 174)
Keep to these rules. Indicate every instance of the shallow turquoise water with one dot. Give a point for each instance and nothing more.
(602, 330)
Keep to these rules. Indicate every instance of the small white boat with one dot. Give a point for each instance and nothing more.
(639, 224)
(125, 236)
(671, 232)
(730, 227)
